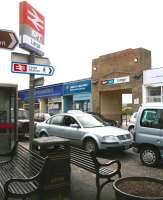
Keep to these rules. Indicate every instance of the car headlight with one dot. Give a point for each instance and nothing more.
(109, 138)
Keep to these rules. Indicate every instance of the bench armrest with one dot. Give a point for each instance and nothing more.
(117, 162)
(110, 163)
(11, 181)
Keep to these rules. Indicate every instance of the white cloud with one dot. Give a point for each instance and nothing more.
(79, 31)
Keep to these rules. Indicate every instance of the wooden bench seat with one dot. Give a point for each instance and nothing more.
(89, 162)
(20, 173)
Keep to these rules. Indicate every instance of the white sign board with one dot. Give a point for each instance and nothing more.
(37, 69)
(153, 76)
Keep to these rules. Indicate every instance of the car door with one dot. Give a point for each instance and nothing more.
(161, 130)
(149, 127)
(55, 126)
(72, 130)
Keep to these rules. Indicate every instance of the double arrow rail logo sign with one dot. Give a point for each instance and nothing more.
(8, 39)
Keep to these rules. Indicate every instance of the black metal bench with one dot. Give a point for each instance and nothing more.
(20, 173)
(88, 161)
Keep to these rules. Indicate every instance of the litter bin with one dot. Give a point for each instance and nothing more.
(56, 176)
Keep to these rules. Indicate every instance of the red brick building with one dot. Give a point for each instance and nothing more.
(116, 74)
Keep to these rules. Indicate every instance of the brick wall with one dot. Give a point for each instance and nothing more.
(129, 62)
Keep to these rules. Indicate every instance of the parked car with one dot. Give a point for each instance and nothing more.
(23, 123)
(85, 130)
(40, 117)
(109, 122)
(74, 111)
(148, 139)
(132, 122)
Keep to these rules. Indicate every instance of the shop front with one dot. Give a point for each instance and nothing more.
(48, 99)
(153, 85)
(77, 95)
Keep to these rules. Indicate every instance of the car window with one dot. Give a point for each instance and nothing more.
(89, 121)
(48, 121)
(150, 118)
(57, 120)
(69, 120)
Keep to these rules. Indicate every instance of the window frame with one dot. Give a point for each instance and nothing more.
(158, 126)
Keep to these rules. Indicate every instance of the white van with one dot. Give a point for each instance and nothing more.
(148, 136)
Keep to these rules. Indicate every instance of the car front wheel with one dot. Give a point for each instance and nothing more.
(131, 129)
(149, 156)
(90, 146)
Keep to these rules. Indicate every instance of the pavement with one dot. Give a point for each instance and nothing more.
(83, 183)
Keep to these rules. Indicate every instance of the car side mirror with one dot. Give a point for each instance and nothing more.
(74, 126)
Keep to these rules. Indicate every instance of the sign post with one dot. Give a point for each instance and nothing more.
(31, 100)
(8, 39)
(32, 28)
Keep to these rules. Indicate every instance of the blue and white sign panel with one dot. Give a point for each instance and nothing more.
(114, 81)
(77, 87)
(37, 69)
(43, 92)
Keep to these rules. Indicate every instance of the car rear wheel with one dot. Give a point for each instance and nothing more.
(149, 156)
(91, 146)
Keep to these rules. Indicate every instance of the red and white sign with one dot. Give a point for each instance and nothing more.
(19, 67)
(32, 29)
(32, 18)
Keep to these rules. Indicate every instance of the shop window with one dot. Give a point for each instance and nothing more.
(81, 105)
(85, 106)
(54, 107)
(154, 94)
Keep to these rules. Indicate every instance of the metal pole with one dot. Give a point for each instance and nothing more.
(31, 102)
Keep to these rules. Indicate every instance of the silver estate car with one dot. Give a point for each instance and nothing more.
(84, 130)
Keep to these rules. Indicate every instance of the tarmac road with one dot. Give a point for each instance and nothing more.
(83, 185)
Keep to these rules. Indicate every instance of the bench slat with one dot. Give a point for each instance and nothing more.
(87, 161)
(83, 160)
(24, 165)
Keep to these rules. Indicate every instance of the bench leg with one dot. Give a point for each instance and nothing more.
(100, 187)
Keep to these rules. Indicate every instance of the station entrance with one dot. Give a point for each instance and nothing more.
(116, 74)
(111, 103)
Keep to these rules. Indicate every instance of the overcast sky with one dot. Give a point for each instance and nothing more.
(78, 31)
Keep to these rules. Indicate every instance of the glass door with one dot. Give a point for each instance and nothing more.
(8, 127)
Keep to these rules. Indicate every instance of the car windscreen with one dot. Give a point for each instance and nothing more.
(88, 121)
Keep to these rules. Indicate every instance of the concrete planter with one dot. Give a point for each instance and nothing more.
(138, 188)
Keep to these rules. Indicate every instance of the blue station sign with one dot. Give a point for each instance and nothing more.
(77, 87)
